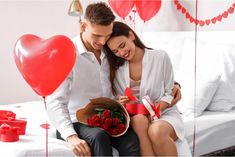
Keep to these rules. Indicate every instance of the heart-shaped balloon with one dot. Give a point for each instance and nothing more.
(122, 7)
(147, 9)
(44, 64)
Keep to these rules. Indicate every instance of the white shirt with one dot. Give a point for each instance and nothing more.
(87, 80)
(157, 80)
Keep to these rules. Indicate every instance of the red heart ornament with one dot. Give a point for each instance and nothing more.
(179, 6)
(196, 21)
(176, 2)
(187, 15)
(231, 10)
(208, 21)
(183, 10)
(201, 23)
(44, 64)
(191, 19)
(225, 14)
(219, 17)
(213, 20)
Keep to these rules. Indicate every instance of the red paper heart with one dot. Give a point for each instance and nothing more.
(213, 20)
(183, 10)
(219, 17)
(201, 23)
(44, 64)
(176, 1)
(234, 4)
(208, 21)
(196, 21)
(187, 15)
(225, 14)
(191, 19)
(179, 6)
(231, 10)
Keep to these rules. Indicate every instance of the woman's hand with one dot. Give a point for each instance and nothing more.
(176, 93)
(123, 100)
(78, 146)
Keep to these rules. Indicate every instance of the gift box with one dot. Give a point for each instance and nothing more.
(8, 117)
(8, 133)
(107, 114)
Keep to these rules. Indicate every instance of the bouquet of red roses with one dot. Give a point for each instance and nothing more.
(107, 114)
(111, 121)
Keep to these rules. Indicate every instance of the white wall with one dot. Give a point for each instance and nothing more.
(46, 18)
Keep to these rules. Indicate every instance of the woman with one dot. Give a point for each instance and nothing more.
(147, 72)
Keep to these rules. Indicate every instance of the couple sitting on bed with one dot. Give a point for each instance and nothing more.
(110, 58)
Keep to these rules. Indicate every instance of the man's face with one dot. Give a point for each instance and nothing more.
(96, 35)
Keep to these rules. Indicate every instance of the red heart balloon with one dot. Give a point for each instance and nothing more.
(44, 64)
(148, 8)
(122, 7)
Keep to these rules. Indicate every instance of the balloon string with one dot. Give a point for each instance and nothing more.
(44, 100)
(141, 32)
(195, 80)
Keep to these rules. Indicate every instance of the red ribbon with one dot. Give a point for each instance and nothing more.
(136, 108)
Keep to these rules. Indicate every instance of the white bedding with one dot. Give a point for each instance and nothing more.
(33, 143)
(214, 131)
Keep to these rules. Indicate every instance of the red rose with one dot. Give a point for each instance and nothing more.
(108, 121)
(106, 113)
(115, 121)
(121, 128)
(105, 127)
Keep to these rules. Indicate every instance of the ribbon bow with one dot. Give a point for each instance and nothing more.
(155, 111)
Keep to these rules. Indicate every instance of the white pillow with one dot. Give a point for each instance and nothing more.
(205, 89)
(206, 76)
(224, 98)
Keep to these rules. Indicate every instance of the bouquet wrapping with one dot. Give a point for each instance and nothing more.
(107, 114)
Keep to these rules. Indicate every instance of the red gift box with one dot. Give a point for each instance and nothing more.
(8, 117)
(8, 133)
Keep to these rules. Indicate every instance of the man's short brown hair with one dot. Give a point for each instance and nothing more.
(99, 13)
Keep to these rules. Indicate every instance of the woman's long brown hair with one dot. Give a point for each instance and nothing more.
(119, 29)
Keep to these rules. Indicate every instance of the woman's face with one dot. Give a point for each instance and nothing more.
(122, 46)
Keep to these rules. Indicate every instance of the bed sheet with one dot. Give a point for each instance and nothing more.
(214, 131)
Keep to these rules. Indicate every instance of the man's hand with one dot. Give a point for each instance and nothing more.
(78, 146)
(176, 93)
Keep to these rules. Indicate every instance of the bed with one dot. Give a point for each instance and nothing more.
(214, 131)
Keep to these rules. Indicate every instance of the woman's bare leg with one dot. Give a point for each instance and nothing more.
(163, 137)
(140, 124)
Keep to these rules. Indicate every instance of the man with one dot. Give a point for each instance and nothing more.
(89, 79)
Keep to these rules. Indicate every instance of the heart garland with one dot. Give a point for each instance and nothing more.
(206, 22)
